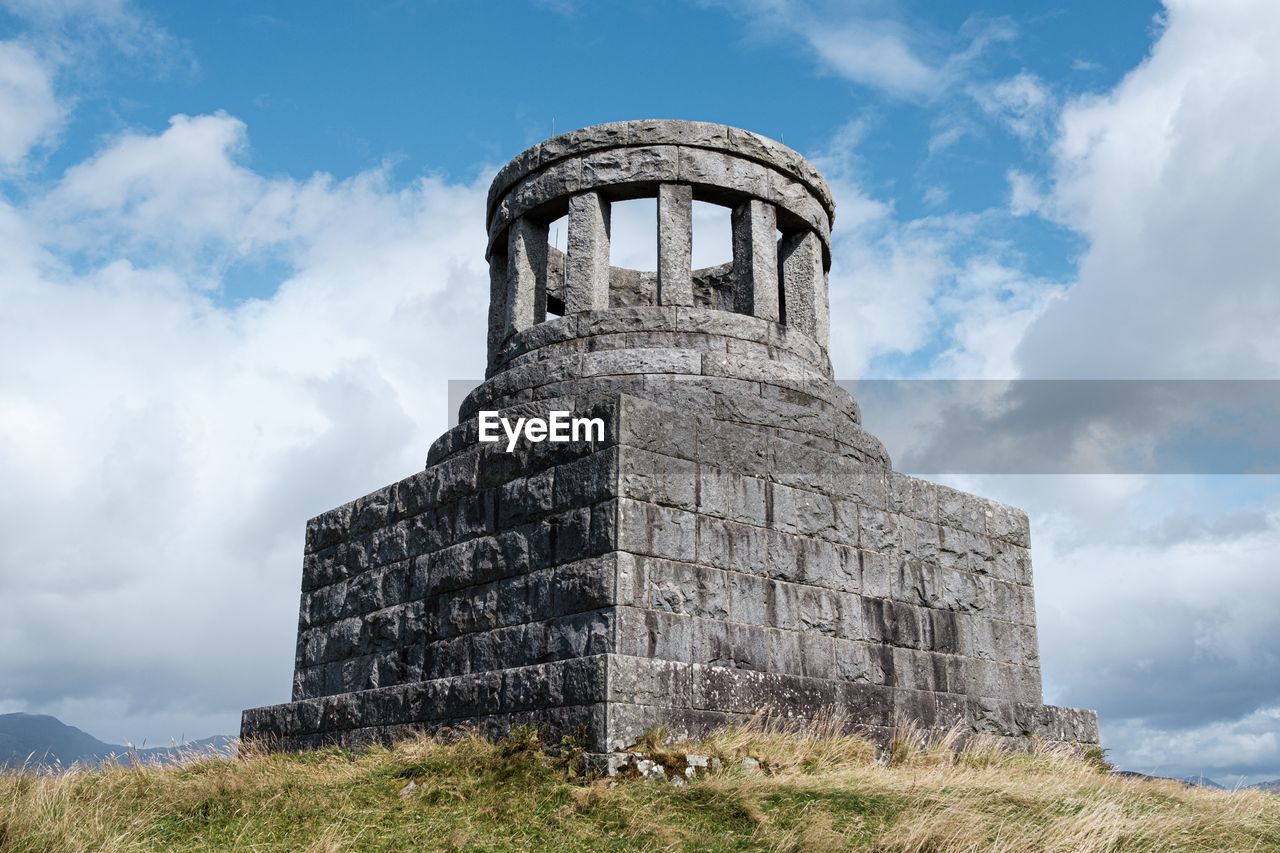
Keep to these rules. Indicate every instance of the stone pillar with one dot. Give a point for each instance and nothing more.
(822, 312)
(497, 304)
(803, 281)
(526, 302)
(586, 281)
(755, 259)
(675, 244)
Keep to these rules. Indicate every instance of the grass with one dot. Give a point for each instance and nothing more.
(816, 790)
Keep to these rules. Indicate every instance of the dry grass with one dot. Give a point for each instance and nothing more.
(818, 790)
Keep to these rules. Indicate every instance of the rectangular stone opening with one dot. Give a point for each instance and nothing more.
(633, 240)
(557, 240)
(712, 235)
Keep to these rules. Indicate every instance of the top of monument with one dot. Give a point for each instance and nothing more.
(780, 214)
(662, 132)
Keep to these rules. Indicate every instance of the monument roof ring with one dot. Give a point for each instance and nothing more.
(723, 165)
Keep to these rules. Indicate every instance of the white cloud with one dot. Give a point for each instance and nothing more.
(1022, 102)
(874, 53)
(873, 46)
(945, 284)
(168, 442)
(991, 306)
(936, 196)
(29, 111)
(1170, 637)
(72, 34)
(1154, 606)
(168, 445)
(882, 284)
(1172, 177)
(1024, 196)
(1234, 751)
(1174, 641)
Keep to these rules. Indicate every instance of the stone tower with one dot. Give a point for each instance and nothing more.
(733, 541)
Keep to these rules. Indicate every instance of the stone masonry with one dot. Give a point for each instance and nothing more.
(736, 542)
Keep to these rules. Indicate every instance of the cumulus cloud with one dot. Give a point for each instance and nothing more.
(1168, 632)
(948, 284)
(1172, 178)
(1169, 640)
(1165, 618)
(168, 443)
(1240, 750)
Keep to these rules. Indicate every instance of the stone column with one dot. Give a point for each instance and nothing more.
(755, 259)
(822, 312)
(526, 274)
(497, 304)
(586, 281)
(803, 283)
(675, 244)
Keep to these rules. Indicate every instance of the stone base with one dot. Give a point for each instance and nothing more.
(685, 571)
(615, 699)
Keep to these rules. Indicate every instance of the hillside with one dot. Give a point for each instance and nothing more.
(809, 792)
(41, 740)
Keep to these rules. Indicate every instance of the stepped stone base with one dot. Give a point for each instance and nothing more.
(687, 571)
(617, 698)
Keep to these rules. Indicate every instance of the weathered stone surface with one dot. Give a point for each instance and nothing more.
(803, 283)
(499, 317)
(526, 268)
(735, 542)
(586, 281)
(675, 244)
(755, 259)
(687, 134)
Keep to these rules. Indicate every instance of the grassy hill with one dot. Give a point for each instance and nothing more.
(812, 791)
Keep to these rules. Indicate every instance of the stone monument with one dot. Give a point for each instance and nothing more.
(728, 539)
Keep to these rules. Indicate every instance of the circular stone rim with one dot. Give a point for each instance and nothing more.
(645, 132)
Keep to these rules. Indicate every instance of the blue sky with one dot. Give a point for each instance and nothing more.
(451, 88)
(241, 253)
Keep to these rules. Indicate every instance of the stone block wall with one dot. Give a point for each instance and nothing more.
(483, 561)
(662, 577)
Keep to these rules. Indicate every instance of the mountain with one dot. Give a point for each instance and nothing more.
(41, 740)
(1202, 782)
